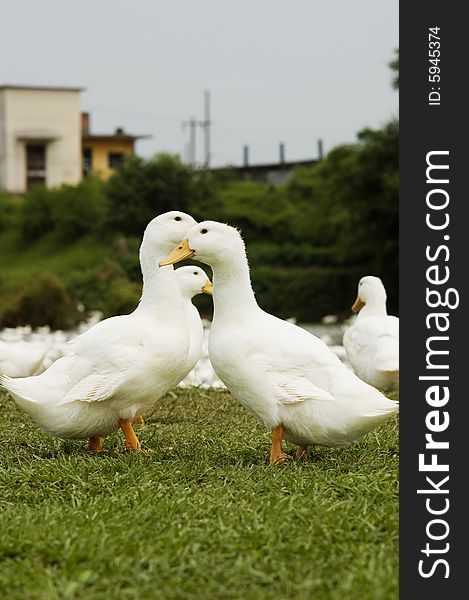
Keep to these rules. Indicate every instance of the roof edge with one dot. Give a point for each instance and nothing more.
(11, 86)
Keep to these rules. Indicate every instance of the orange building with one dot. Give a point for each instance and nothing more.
(102, 153)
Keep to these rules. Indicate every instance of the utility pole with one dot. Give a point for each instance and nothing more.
(206, 127)
(320, 150)
(245, 156)
(192, 124)
(282, 152)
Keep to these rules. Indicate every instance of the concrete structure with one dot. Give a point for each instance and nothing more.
(45, 139)
(102, 153)
(271, 173)
(40, 136)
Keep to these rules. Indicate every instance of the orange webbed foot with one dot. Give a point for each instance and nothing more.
(302, 453)
(131, 440)
(95, 444)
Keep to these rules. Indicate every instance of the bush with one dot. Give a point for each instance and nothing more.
(44, 301)
(126, 254)
(142, 189)
(78, 210)
(300, 254)
(36, 214)
(122, 297)
(70, 211)
(5, 210)
(105, 288)
(305, 293)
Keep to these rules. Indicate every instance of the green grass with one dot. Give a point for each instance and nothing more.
(198, 514)
(19, 262)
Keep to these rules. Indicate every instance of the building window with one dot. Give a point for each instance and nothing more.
(35, 164)
(115, 159)
(87, 161)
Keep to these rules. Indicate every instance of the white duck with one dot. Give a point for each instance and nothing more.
(372, 342)
(21, 359)
(193, 281)
(286, 377)
(121, 366)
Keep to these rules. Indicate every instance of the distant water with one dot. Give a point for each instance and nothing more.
(333, 332)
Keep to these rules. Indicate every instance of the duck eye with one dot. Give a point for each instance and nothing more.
(195, 273)
(177, 218)
(203, 230)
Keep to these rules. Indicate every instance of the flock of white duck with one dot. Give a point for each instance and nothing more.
(285, 376)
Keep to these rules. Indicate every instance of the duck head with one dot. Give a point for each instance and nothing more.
(162, 234)
(193, 281)
(209, 242)
(371, 292)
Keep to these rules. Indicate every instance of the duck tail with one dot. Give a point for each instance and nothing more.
(383, 406)
(18, 391)
(384, 412)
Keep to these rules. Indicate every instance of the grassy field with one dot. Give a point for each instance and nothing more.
(19, 263)
(198, 514)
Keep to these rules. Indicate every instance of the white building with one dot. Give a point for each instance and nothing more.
(40, 136)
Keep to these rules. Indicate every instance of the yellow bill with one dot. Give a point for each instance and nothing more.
(208, 288)
(358, 305)
(180, 253)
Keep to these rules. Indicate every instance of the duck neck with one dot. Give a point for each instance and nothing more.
(161, 293)
(233, 296)
(373, 308)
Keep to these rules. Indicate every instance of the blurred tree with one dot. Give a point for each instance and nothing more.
(394, 64)
(70, 210)
(77, 210)
(142, 189)
(6, 209)
(36, 213)
(43, 300)
(354, 195)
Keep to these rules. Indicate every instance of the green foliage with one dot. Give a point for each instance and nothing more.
(354, 194)
(198, 513)
(36, 213)
(105, 288)
(141, 189)
(69, 211)
(305, 293)
(43, 301)
(4, 210)
(78, 210)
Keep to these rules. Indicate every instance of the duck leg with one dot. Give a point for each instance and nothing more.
(276, 453)
(302, 453)
(131, 441)
(139, 420)
(95, 444)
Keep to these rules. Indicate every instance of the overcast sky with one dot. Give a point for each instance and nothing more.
(287, 71)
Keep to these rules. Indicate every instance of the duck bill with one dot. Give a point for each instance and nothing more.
(358, 305)
(208, 288)
(180, 253)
